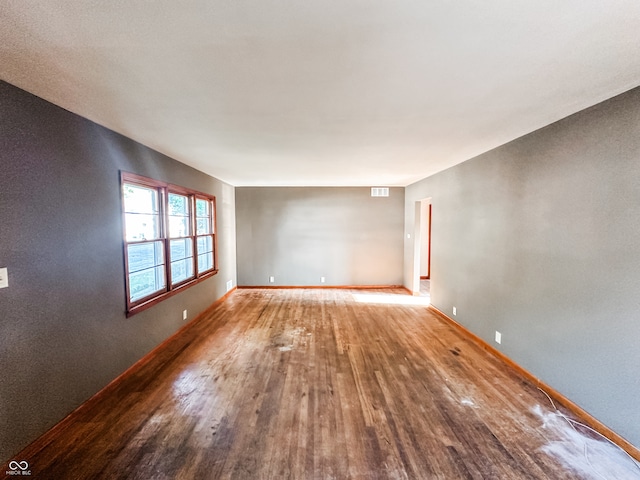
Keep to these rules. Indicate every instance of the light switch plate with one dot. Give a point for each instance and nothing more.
(4, 278)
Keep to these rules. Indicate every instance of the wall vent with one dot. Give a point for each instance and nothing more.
(379, 191)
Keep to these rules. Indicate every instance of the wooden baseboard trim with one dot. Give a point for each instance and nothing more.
(298, 287)
(44, 439)
(557, 397)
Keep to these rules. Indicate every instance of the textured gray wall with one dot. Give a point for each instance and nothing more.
(300, 234)
(63, 331)
(540, 239)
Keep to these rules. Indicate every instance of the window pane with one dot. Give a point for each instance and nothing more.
(202, 208)
(181, 260)
(178, 204)
(204, 247)
(140, 226)
(179, 227)
(139, 199)
(181, 249)
(146, 282)
(181, 270)
(178, 216)
(205, 244)
(204, 226)
(203, 217)
(205, 262)
(142, 256)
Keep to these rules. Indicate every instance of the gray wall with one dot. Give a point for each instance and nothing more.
(63, 331)
(540, 239)
(298, 235)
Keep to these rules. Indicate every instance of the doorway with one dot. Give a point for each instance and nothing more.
(422, 248)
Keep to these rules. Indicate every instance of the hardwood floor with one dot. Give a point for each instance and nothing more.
(327, 384)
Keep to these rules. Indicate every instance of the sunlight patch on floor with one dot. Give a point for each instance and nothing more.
(583, 455)
(390, 299)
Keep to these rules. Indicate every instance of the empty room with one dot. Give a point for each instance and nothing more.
(319, 240)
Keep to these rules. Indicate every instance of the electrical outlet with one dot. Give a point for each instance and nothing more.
(498, 337)
(454, 311)
(229, 285)
(272, 279)
(4, 278)
(322, 279)
(184, 315)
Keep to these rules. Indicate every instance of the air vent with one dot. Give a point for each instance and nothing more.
(379, 191)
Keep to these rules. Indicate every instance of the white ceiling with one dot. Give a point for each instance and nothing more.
(331, 92)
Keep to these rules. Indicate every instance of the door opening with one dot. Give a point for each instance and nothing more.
(425, 241)
(422, 248)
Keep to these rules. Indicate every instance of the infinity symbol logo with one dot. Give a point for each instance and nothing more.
(13, 465)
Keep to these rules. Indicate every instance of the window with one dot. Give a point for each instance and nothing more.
(205, 234)
(169, 239)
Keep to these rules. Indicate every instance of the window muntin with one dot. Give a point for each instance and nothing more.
(169, 239)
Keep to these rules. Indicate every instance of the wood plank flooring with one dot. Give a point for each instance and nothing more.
(323, 384)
